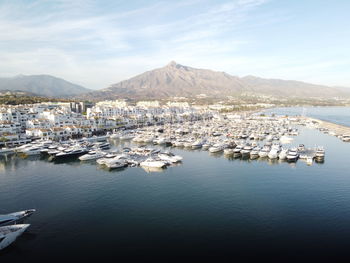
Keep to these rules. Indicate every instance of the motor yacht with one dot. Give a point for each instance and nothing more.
(228, 151)
(283, 154)
(264, 151)
(169, 157)
(153, 163)
(246, 151)
(35, 150)
(70, 153)
(6, 150)
(197, 144)
(216, 148)
(92, 155)
(9, 234)
(14, 218)
(255, 152)
(206, 146)
(309, 160)
(237, 151)
(293, 155)
(320, 153)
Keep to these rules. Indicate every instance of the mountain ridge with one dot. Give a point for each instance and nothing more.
(176, 80)
(43, 85)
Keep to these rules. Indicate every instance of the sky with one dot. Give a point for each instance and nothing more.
(95, 43)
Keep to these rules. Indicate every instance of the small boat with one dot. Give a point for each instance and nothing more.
(5, 150)
(114, 136)
(309, 160)
(13, 218)
(9, 234)
(35, 150)
(115, 164)
(72, 152)
(246, 151)
(206, 146)
(216, 148)
(92, 155)
(264, 151)
(283, 154)
(228, 151)
(255, 153)
(320, 153)
(292, 155)
(285, 139)
(237, 151)
(170, 157)
(153, 163)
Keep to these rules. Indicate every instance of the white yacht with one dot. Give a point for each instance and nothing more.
(197, 144)
(206, 146)
(283, 154)
(228, 151)
(255, 152)
(35, 150)
(114, 164)
(92, 155)
(8, 234)
(114, 136)
(285, 139)
(264, 151)
(71, 152)
(5, 150)
(320, 153)
(13, 218)
(246, 151)
(237, 151)
(309, 160)
(216, 148)
(170, 157)
(292, 155)
(153, 163)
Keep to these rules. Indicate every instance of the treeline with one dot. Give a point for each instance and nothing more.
(16, 100)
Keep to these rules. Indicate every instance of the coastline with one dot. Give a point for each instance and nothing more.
(330, 126)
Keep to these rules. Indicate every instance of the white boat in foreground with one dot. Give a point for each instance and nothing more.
(13, 218)
(9, 234)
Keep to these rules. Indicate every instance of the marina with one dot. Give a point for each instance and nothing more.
(271, 156)
(250, 137)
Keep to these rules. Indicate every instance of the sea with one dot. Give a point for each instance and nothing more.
(338, 115)
(208, 208)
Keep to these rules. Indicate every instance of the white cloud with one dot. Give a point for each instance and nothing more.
(84, 43)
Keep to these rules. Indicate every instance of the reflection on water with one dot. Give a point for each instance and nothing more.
(153, 169)
(206, 205)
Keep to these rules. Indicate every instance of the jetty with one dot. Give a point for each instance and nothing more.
(340, 131)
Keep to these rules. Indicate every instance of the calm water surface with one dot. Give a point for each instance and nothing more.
(207, 208)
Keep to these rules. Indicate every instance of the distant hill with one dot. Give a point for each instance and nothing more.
(43, 85)
(183, 81)
(17, 93)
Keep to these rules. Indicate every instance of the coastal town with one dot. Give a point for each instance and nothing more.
(65, 131)
(63, 120)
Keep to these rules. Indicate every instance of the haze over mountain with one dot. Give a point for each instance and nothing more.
(183, 81)
(43, 85)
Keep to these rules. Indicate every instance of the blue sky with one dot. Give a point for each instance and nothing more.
(96, 43)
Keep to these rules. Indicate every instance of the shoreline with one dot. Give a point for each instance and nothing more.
(338, 129)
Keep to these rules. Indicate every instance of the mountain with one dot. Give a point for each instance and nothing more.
(43, 85)
(182, 81)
